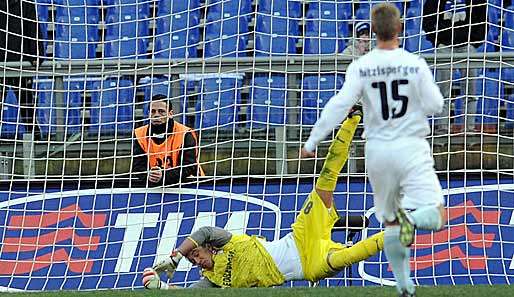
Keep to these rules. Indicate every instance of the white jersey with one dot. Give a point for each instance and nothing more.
(398, 93)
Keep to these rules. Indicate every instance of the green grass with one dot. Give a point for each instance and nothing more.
(440, 291)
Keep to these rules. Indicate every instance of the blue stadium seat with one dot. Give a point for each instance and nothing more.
(490, 91)
(162, 86)
(417, 4)
(509, 17)
(494, 11)
(218, 106)
(290, 8)
(10, 126)
(75, 11)
(77, 19)
(232, 7)
(166, 7)
(323, 37)
(176, 36)
(112, 107)
(317, 90)
(124, 47)
(329, 10)
(416, 42)
(363, 13)
(491, 40)
(43, 18)
(127, 29)
(413, 21)
(74, 49)
(268, 101)
(118, 10)
(508, 40)
(510, 112)
(275, 35)
(47, 109)
(226, 36)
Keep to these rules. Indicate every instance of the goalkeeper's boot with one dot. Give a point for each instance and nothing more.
(406, 228)
(356, 110)
(152, 281)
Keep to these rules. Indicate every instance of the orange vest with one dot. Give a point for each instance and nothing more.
(166, 154)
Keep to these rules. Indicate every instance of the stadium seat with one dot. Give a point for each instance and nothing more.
(494, 11)
(74, 49)
(416, 42)
(508, 40)
(413, 21)
(275, 35)
(47, 109)
(416, 4)
(166, 7)
(363, 13)
(127, 29)
(287, 8)
(317, 90)
(176, 36)
(112, 107)
(509, 17)
(491, 41)
(322, 37)
(231, 7)
(218, 106)
(490, 91)
(333, 10)
(67, 11)
(509, 124)
(118, 10)
(43, 18)
(268, 101)
(124, 47)
(77, 19)
(226, 36)
(11, 127)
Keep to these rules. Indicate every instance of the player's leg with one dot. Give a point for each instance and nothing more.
(336, 158)
(424, 194)
(314, 224)
(341, 258)
(385, 180)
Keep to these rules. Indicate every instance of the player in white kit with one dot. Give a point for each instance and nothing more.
(398, 93)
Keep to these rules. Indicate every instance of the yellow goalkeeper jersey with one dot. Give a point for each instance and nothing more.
(243, 262)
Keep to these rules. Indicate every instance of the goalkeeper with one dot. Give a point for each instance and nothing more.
(308, 253)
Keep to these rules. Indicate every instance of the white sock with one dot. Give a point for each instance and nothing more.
(398, 257)
(427, 218)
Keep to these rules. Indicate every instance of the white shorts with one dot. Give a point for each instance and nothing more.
(401, 173)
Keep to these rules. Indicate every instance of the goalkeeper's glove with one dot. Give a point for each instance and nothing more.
(152, 281)
(169, 264)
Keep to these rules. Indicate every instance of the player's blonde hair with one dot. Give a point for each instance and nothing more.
(385, 21)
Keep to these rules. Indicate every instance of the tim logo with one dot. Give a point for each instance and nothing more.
(104, 238)
(36, 240)
(469, 245)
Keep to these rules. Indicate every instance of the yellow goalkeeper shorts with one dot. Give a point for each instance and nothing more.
(312, 232)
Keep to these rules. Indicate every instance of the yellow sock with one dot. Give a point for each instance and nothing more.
(337, 155)
(360, 251)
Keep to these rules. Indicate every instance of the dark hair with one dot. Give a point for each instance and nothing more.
(162, 97)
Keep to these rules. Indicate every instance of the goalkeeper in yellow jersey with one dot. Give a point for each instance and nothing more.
(307, 253)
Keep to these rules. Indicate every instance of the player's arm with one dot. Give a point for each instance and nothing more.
(429, 93)
(336, 109)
